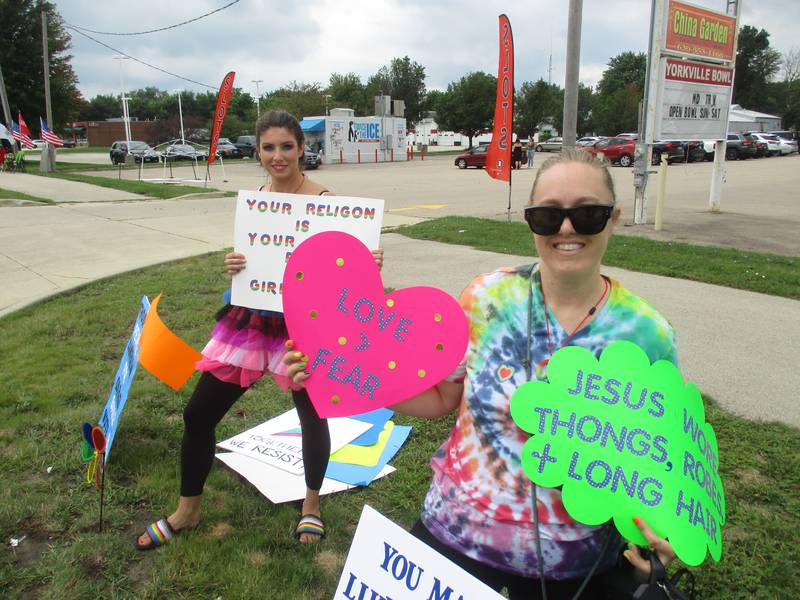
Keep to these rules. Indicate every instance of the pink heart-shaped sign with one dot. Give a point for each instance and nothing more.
(366, 349)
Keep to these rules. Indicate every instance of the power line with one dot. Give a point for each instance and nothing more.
(155, 30)
(211, 87)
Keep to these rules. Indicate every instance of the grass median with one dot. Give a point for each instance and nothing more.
(755, 271)
(59, 360)
(12, 195)
(144, 188)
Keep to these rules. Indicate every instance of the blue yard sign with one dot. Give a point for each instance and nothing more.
(109, 419)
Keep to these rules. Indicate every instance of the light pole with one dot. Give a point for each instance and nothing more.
(326, 104)
(125, 117)
(258, 97)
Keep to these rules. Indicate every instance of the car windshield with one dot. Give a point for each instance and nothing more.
(139, 146)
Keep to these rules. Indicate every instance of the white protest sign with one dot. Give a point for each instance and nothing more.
(385, 561)
(695, 98)
(278, 443)
(269, 226)
(280, 486)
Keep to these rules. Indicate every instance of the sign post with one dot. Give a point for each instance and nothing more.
(690, 82)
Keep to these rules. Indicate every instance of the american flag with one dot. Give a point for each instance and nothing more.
(22, 138)
(49, 136)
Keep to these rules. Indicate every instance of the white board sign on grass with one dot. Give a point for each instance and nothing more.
(385, 561)
(278, 442)
(269, 226)
(280, 486)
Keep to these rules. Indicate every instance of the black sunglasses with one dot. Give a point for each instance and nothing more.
(587, 219)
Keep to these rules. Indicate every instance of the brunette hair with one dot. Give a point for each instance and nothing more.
(569, 155)
(284, 120)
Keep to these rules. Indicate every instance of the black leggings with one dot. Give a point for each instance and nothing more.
(519, 587)
(210, 401)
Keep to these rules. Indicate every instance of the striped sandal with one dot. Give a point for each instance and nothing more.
(160, 533)
(310, 524)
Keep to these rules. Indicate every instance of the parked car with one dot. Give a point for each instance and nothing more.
(70, 143)
(787, 135)
(587, 140)
(140, 151)
(40, 144)
(631, 135)
(787, 146)
(617, 150)
(179, 151)
(674, 151)
(773, 145)
(226, 149)
(552, 145)
(474, 157)
(740, 146)
(312, 159)
(246, 144)
(694, 150)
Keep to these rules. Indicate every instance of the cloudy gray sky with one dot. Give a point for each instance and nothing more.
(279, 41)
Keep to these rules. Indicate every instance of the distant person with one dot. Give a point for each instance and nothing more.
(516, 155)
(245, 345)
(530, 150)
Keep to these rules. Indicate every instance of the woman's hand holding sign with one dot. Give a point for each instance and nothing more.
(662, 548)
(297, 363)
(236, 261)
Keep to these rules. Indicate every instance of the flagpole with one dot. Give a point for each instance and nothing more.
(48, 155)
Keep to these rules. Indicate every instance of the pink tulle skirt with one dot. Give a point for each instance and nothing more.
(246, 345)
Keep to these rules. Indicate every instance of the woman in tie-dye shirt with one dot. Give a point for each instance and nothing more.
(478, 508)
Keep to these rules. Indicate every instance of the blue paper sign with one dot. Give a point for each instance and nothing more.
(109, 419)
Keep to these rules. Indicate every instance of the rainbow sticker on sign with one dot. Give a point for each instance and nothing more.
(366, 349)
(625, 439)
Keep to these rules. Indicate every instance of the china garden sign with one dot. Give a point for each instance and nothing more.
(625, 438)
(366, 349)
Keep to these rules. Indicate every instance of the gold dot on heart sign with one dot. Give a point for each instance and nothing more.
(299, 275)
(339, 262)
(313, 314)
(437, 317)
(335, 399)
(390, 303)
(342, 341)
(421, 373)
(392, 365)
(439, 347)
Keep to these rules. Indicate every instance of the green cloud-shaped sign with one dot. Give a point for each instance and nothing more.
(625, 439)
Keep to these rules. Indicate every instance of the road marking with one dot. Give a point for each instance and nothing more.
(416, 206)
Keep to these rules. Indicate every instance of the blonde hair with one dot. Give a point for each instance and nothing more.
(569, 155)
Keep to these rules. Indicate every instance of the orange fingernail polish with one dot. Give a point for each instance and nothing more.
(637, 520)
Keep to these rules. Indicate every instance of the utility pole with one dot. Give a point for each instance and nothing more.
(47, 159)
(573, 68)
(124, 98)
(258, 97)
(644, 146)
(734, 8)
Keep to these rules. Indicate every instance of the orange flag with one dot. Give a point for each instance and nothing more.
(498, 158)
(164, 354)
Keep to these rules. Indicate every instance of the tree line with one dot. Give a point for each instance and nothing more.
(466, 106)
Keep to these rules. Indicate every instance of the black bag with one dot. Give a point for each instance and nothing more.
(622, 583)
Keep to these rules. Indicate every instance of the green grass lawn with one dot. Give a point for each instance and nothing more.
(754, 271)
(10, 194)
(59, 360)
(145, 188)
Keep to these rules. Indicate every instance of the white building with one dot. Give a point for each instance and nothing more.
(740, 119)
(343, 137)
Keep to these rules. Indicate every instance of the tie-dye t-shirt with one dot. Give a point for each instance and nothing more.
(480, 499)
